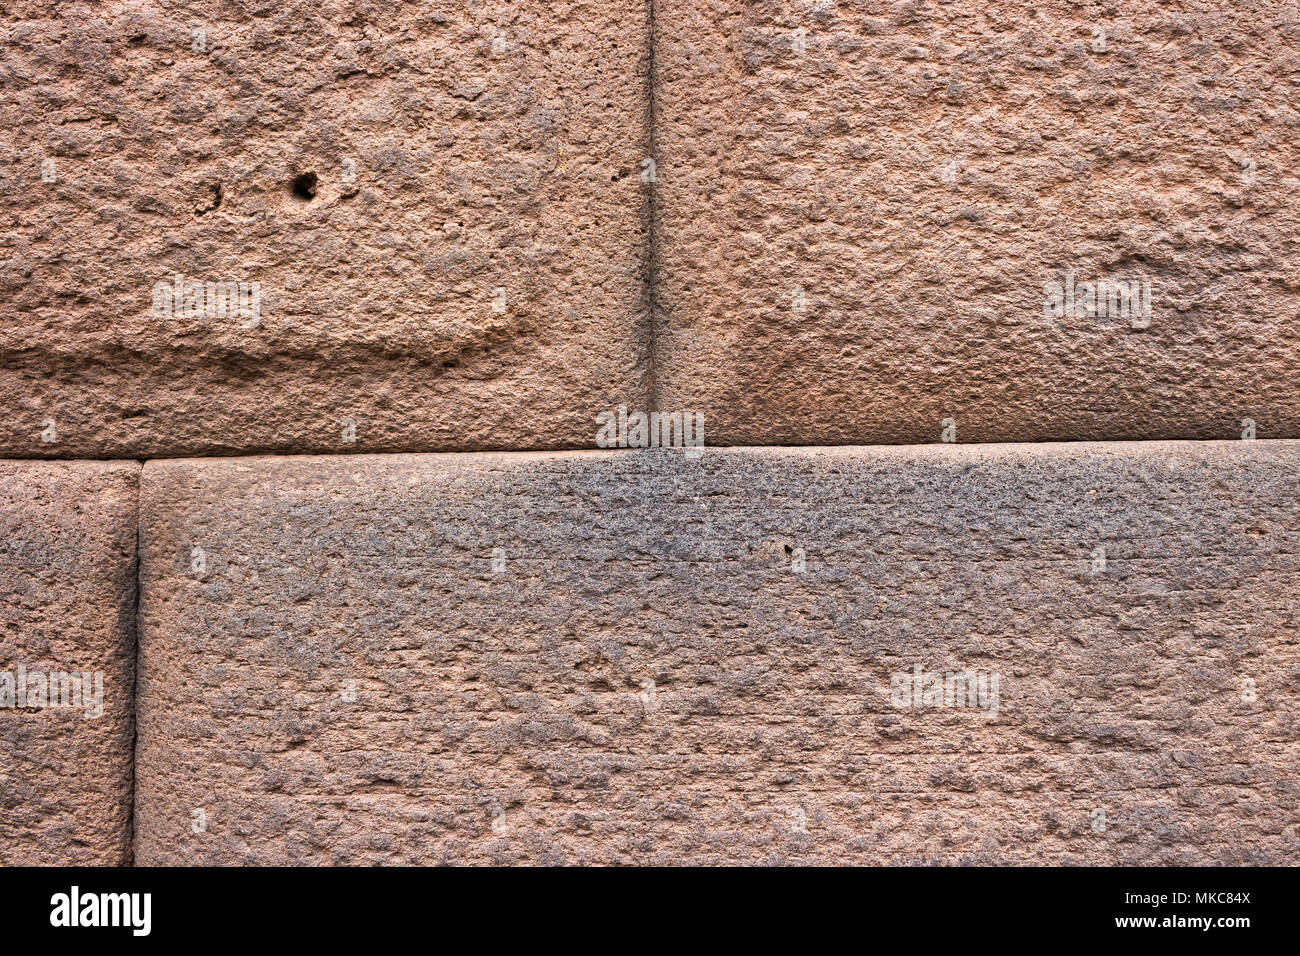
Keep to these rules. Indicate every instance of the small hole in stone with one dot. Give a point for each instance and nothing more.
(213, 203)
(304, 187)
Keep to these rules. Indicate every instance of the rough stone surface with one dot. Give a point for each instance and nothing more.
(345, 678)
(67, 604)
(457, 149)
(1166, 147)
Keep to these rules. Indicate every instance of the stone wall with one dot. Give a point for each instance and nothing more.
(983, 547)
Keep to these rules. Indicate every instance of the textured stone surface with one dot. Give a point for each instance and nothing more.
(457, 149)
(522, 698)
(67, 604)
(831, 169)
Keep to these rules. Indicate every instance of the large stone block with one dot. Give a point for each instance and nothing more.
(863, 210)
(441, 207)
(67, 661)
(642, 658)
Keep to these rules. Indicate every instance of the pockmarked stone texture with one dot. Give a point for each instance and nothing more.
(332, 227)
(67, 661)
(1042, 221)
(1055, 653)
